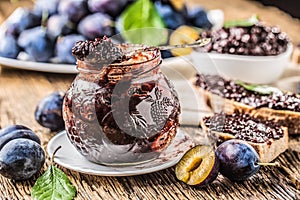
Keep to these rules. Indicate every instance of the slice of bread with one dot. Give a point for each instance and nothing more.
(217, 103)
(267, 146)
(296, 55)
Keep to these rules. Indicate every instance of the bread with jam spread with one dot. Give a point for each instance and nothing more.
(226, 95)
(266, 137)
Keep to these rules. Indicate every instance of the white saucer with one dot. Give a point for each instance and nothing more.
(70, 158)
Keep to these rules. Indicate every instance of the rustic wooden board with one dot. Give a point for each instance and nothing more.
(20, 92)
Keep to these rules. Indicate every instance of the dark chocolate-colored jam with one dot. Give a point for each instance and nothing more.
(229, 89)
(99, 50)
(114, 116)
(256, 40)
(244, 127)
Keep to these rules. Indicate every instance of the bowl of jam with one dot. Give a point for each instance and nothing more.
(254, 54)
(120, 109)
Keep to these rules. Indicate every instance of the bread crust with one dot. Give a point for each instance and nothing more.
(286, 118)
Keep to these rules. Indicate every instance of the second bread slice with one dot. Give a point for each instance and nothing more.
(267, 138)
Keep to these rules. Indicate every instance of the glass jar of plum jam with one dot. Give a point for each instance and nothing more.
(121, 112)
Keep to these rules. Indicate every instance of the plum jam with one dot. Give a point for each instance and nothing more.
(229, 89)
(255, 40)
(243, 126)
(120, 111)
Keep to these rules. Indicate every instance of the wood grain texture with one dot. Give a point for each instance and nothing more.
(20, 91)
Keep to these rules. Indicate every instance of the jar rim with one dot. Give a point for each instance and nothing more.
(156, 54)
(88, 66)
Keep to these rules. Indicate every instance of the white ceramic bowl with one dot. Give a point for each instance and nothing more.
(291, 84)
(251, 69)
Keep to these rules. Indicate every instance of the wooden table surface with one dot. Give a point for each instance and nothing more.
(21, 90)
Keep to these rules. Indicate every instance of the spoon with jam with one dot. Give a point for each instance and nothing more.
(140, 48)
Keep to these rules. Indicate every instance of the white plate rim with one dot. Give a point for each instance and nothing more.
(58, 68)
(115, 171)
(64, 68)
(38, 66)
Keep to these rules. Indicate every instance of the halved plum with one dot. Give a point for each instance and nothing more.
(199, 166)
(183, 35)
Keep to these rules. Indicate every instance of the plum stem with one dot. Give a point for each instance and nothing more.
(269, 164)
(293, 177)
(45, 16)
(53, 155)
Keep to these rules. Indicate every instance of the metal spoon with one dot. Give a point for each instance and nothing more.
(140, 48)
(197, 43)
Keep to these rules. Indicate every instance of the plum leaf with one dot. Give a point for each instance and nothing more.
(140, 23)
(243, 22)
(53, 184)
(261, 89)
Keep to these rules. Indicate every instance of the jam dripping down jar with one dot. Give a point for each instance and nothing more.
(122, 113)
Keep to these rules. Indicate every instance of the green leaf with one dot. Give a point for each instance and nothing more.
(140, 23)
(261, 89)
(243, 22)
(53, 184)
